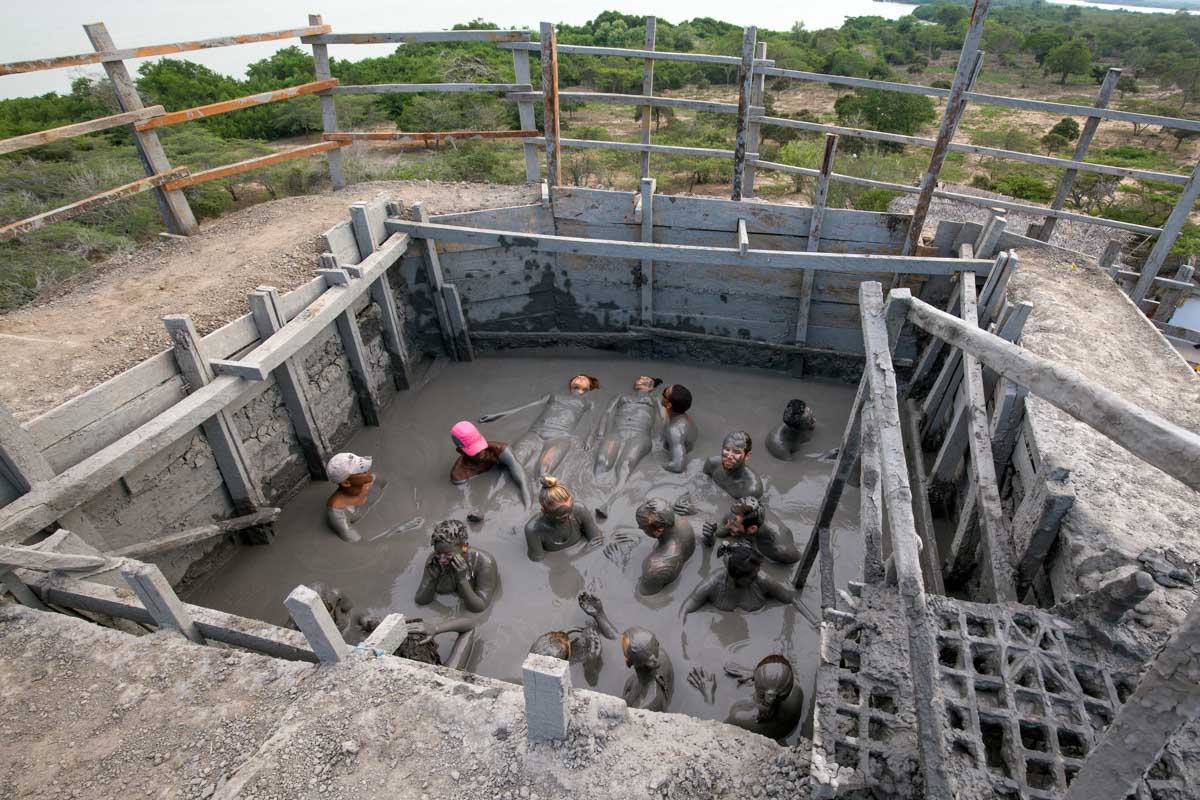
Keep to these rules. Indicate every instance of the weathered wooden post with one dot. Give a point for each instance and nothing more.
(329, 121)
(218, 429)
(550, 116)
(745, 86)
(648, 186)
(1166, 239)
(757, 92)
(311, 616)
(968, 62)
(1081, 147)
(820, 197)
(647, 111)
(368, 222)
(525, 113)
(1173, 298)
(356, 350)
(172, 204)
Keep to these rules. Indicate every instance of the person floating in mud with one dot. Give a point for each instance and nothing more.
(552, 434)
(795, 429)
(742, 586)
(679, 431)
(561, 523)
(674, 544)
(653, 680)
(729, 470)
(749, 521)
(354, 496)
(476, 455)
(420, 645)
(778, 698)
(623, 437)
(456, 568)
(580, 645)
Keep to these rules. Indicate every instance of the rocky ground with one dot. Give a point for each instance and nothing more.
(89, 712)
(109, 320)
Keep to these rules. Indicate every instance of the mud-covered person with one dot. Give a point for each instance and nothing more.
(742, 585)
(349, 503)
(679, 430)
(778, 699)
(454, 567)
(730, 470)
(794, 429)
(552, 435)
(653, 680)
(674, 543)
(749, 521)
(580, 645)
(476, 456)
(562, 522)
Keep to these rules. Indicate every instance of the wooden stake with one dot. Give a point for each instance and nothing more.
(525, 114)
(550, 104)
(754, 131)
(356, 353)
(647, 197)
(745, 85)
(329, 120)
(647, 111)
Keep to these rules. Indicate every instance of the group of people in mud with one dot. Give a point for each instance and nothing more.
(749, 534)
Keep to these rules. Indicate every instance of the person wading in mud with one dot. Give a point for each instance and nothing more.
(749, 521)
(456, 568)
(679, 431)
(562, 522)
(729, 470)
(349, 504)
(476, 455)
(795, 429)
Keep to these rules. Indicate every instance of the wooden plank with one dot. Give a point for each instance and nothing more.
(419, 37)
(954, 444)
(1150, 437)
(197, 535)
(1035, 526)
(458, 323)
(648, 91)
(985, 245)
(236, 104)
(329, 122)
(639, 100)
(814, 236)
(433, 266)
(662, 252)
(339, 241)
(741, 130)
(265, 306)
(754, 130)
(526, 116)
(263, 360)
(356, 351)
(743, 238)
(156, 594)
(995, 568)
(550, 104)
(880, 379)
(112, 54)
(931, 562)
(1007, 416)
(252, 164)
(16, 143)
(637, 147)
(47, 561)
(218, 429)
(39, 221)
(425, 137)
(1170, 232)
(657, 55)
(870, 513)
(962, 560)
(647, 265)
(231, 338)
(1173, 298)
(23, 594)
(367, 222)
(412, 88)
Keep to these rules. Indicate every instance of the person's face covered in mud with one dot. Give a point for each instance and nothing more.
(735, 451)
(773, 680)
(640, 648)
(582, 384)
(446, 553)
(645, 383)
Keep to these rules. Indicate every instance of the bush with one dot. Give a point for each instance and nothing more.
(983, 182)
(1025, 187)
(1067, 128)
(940, 84)
(875, 200)
(1054, 143)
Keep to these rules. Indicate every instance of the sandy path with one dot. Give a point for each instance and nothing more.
(109, 321)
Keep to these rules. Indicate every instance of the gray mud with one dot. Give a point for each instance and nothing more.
(413, 451)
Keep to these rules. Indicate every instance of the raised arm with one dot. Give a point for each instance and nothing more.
(429, 578)
(592, 606)
(499, 414)
(518, 475)
(487, 580)
(699, 596)
(533, 539)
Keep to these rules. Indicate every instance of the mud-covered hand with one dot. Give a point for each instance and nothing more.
(422, 630)
(704, 682)
(590, 604)
(489, 417)
(458, 566)
(684, 506)
(709, 533)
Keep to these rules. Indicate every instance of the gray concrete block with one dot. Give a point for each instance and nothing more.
(547, 683)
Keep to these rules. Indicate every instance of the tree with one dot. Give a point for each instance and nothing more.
(1181, 135)
(1067, 128)
(1054, 142)
(885, 111)
(1073, 57)
(1127, 84)
(1040, 43)
(1184, 74)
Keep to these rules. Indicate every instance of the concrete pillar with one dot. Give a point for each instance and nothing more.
(390, 634)
(156, 594)
(318, 627)
(547, 683)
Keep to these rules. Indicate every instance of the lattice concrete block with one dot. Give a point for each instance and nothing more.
(547, 683)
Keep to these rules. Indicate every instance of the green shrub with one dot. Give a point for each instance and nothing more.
(875, 199)
(1025, 187)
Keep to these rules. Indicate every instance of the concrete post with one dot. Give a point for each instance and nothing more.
(329, 121)
(390, 634)
(156, 594)
(318, 627)
(547, 683)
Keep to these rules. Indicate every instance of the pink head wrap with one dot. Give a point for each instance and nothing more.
(469, 438)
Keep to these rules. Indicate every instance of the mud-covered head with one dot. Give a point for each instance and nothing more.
(735, 450)
(644, 383)
(449, 537)
(582, 384)
(773, 681)
(742, 562)
(798, 415)
(556, 644)
(640, 647)
(555, 498)
(335, 601)
(677, 399)
(745, 516)
(655, 517)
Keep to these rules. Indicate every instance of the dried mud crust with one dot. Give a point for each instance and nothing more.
(1123, 505)
(110, 320)
(90, 712)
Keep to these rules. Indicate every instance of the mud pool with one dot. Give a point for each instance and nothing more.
(413, 452)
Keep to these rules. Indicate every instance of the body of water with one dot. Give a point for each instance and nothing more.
(44, 31)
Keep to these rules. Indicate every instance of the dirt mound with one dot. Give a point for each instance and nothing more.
(109, 321)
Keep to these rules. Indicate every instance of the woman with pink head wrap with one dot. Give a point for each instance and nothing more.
(476, 455)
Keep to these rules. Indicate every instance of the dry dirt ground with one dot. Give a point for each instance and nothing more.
(89, 712)
(106, 323)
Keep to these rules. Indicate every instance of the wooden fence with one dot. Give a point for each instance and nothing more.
(750, 115)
